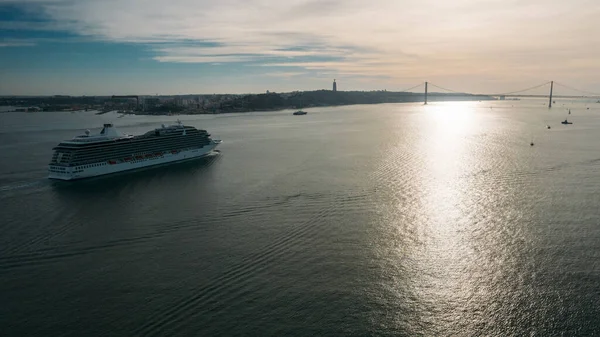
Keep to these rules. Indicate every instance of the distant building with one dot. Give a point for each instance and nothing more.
(150, 102)
(334, 86)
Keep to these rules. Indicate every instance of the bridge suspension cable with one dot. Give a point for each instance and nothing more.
(578, 90)
(519, 91)
(508, 93)
(501, 94)
(411, 88)
(450, 90)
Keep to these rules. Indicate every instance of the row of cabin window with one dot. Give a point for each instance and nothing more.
(148, 141)
(149, 148)
(91, 165)
(113, 155)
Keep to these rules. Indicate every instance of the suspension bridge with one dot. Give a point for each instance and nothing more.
(517, 93)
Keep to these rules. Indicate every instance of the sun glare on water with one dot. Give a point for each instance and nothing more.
(452, 117)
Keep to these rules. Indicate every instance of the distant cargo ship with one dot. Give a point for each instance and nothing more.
(110, 151)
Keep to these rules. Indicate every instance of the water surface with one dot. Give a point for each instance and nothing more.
(392, 219)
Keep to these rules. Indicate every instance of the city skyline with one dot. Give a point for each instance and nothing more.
(89, 47)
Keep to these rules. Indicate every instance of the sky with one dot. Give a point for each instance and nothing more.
(104, 47)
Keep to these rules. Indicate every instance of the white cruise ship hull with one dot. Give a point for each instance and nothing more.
(104, 168)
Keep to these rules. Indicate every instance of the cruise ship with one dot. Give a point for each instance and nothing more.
(111, 151)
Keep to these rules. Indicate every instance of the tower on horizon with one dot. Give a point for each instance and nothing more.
(334, 86)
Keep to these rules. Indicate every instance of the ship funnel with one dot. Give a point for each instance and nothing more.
(110, 132)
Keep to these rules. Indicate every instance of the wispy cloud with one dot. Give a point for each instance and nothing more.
(403, 39)
(16, 43)
(287, 74)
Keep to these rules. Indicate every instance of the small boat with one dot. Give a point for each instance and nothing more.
(531, 144)
(300, 112)
(548, 126)
(566, 122)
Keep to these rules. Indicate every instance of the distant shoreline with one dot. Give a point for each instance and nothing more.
(187, 113)
(312, 99)
(220, 103)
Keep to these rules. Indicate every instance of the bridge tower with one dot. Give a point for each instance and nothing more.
(551, 87)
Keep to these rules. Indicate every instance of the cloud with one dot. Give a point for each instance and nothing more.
(16, 43)
(205, 59)
(402, 39)
(288, 74)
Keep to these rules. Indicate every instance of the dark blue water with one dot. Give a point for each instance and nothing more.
(394, 219)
